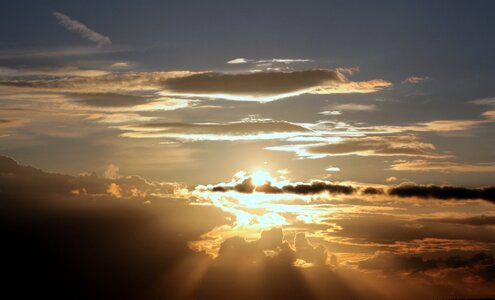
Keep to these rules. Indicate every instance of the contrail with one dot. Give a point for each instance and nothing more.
(81, 29)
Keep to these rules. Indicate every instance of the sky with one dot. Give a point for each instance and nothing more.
(345, 148)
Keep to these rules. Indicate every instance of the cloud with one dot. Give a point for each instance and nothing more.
(12, 123)
(244, 184)
(444, 192)
(354, 107)
(403, 234)
(415, 79)
(481, 264)
(82, 30)
(391, 179)
(55, 72)
(108, 99)
(485, 101)
(51, 233)
(242, 60)
(405, 145)
(244, 130)
(260, 86)
(238, 61)
(441, 166)
(120, 65)
(482, 220)
(110, 83)
(65, 229)
(330, 113)
(316, 187)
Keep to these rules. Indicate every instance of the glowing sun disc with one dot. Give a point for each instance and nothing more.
(260, 177)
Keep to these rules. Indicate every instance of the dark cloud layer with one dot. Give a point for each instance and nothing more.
(443, 192)
(481, 264)
(67, 237)
(92, 245)
(482, 220)
(108, 100)
(402, 191)
(316, 187)
(255, 84)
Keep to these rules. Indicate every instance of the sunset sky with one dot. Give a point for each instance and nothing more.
(248, 149)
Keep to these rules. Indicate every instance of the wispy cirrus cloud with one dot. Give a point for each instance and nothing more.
(441, 166)
(416, 79)
(242, 60)
(82, 30)
(405, 145)
(243, 130)
(55, 72)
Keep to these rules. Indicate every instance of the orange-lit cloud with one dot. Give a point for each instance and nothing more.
(259, 86)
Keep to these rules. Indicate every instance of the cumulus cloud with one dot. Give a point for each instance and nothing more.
(72, 234)
(441, 166)
(82, 30)
(65, 229)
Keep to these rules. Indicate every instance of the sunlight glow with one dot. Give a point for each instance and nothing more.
(260, 177)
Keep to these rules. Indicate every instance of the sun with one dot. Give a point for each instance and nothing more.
(260, 177)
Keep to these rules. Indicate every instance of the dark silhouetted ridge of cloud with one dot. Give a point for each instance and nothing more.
(444, 192)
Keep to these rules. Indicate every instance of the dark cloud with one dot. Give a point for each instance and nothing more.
(402, 191)
(264, 269)
(372, 191)
(109, 100)
(474, 221)
(318, 187)
(92, 245)
(18, 180)
(444, 192)
(315, 187)
(389, 230)
(481, 264)
(254, 84)
(258, 86)
(307, 252)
